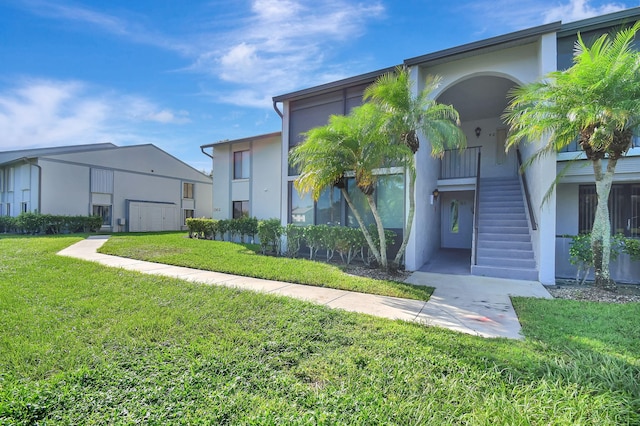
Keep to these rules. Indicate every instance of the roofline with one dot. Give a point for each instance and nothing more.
(77, 148)
(247, 139)
(602, 21)
(522, 36)
(327, 87)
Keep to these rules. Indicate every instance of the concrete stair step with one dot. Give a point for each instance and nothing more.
(502, 216)
(505, 253)
(506, 262)
(501, 236)
(513, 222)
(509, 230)
(505, 245)
(511, 273)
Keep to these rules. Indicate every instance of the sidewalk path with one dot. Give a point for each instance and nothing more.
(473, 305)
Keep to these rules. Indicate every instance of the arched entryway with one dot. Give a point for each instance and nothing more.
(480, 200)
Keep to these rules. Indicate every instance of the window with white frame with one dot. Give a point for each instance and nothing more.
(241, 164)
(24, 207)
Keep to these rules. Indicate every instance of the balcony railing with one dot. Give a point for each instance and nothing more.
(457, 164)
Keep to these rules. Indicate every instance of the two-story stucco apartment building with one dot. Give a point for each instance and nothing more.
(134, 188)
(474, 201)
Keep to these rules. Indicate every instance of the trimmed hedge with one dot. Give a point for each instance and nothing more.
(37, 223)
(348, 243)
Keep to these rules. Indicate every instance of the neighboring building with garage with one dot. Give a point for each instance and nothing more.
(134, 188)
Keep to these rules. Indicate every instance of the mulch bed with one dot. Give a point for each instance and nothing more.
(568, 289)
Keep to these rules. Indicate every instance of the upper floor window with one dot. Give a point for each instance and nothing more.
(187, 190)
(241, 165)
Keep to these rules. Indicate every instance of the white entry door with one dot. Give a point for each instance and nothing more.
(457, 219)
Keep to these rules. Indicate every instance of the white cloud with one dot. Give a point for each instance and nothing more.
(282, 46)
(576, 10)
(50, 113)
(273, 47)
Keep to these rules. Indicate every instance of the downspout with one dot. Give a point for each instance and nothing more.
(275, 106)
(205, 152)
(28, 161)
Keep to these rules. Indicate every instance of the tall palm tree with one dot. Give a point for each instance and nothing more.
(407, 116)
(597, 100)
(349, 144)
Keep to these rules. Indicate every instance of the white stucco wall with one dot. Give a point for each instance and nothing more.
(263, 187)
(521, 64)
(65, 188)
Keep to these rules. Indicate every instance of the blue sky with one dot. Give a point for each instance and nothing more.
(182, 74)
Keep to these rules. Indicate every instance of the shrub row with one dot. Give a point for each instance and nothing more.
(348, 243)
(226, 229)
(37, 223)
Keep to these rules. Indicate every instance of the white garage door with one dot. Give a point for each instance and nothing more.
(150, 217)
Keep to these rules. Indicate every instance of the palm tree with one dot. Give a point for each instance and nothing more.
(408, 115)
(350, 144)
(597, 100)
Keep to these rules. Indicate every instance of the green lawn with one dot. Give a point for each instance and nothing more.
(246, 260)
(81, 343)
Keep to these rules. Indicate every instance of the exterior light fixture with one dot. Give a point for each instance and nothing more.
(478, 131)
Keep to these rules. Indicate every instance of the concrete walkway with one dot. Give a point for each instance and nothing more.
(472, 305)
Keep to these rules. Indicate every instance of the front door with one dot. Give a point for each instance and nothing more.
(457, 219)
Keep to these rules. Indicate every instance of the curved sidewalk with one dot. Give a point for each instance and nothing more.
(473, 305)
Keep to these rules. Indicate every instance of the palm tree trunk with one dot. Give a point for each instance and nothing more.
(363, 227)
(384, 265)
(601, 232)
(409, 225)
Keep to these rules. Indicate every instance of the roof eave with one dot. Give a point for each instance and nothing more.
(526, 36)
(334, 85)
(247, 139)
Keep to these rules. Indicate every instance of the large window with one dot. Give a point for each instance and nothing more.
(241, 165)
(389, 196)
(328, 211)
(624, 208)
(187, 190)
(104, 212)
(240, 209)
(300, 208)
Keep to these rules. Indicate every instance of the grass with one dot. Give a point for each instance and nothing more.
(246, 260)
(81, 343)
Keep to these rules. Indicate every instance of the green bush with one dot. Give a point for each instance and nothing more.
(269, 232)
(581, 255)
(348, 242)
(36, 223)
(246, 227)
(632, 248)
(222, 227)
(8, 224)
(294, 235)
(201, 227)
(313, 238)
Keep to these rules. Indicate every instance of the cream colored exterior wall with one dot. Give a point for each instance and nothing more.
(521, 64)
(261, 189)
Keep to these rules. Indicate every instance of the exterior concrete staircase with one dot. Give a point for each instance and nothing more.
(503, 244)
